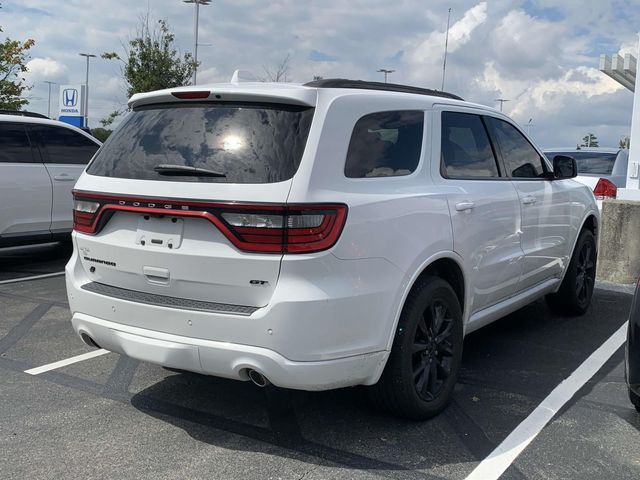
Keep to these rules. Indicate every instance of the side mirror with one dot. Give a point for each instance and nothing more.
(564, 167)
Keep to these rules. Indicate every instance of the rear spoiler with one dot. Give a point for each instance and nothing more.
(257, 92)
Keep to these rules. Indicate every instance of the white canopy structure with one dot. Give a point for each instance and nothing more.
(621, 69)
(624, 71)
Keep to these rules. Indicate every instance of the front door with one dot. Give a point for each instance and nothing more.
(545, 205)
(484, 208)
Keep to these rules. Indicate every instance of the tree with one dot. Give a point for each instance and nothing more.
(101, 133)
(151, 62)
(279, 72)
(106, 122)
(589, 140)
(13, 66)
(625, 142)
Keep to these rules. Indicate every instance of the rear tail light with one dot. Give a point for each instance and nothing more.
(84, 213)
(605, 189)
(264, 228)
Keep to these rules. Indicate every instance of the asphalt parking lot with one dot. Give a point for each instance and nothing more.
(113, 417)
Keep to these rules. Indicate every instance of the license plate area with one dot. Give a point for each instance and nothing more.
(159, 232)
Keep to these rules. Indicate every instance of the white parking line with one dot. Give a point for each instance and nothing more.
(33, 277)
(505, 454)
(68, 361)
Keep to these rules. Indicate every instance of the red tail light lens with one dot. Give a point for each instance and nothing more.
(84, 214)
(605, 189)
(264, 228)
(191, 95)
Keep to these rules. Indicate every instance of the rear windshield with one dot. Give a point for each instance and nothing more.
(595, 163)
(241, 143)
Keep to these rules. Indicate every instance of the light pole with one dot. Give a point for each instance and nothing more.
(501, 100)
(86, 93)
(196, 19)
(49, 101)
(386, 72)
(446, 47)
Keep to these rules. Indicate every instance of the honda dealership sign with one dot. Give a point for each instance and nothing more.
(72, 104)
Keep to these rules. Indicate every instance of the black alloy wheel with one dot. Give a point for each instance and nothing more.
(576, 290)
(586, 272)
(433, 351)
(425, 358)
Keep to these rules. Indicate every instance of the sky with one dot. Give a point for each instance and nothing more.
(541, 55)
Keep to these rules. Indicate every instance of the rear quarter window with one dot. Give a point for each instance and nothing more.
(385, 144)
(246, 143)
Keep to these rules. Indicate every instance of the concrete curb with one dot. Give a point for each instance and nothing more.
(629, 288)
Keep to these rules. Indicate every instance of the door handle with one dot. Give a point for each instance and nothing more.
(465, 206)
(63, 177)
(529, 200)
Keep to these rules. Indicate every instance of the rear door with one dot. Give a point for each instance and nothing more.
(484, 208)
(245, 156)
(65, 154)
(545, 204)
(25, 187)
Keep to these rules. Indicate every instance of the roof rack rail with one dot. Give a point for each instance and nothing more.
(23, 113)
(389, 87)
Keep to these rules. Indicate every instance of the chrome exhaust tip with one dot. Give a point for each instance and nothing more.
(258, 379)
(88, 340)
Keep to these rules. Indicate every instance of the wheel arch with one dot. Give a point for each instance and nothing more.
(590, 222)
(446, 265)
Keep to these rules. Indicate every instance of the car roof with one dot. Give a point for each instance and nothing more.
(378, 86)
(299, 94)
(582, 149)
(45, 121)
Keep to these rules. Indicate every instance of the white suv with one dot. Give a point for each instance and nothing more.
(40, 160)
(323, 235)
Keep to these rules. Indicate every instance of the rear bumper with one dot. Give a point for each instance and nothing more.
(327, 325)
(229, 360)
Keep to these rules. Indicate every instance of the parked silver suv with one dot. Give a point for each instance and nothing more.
(40, 161)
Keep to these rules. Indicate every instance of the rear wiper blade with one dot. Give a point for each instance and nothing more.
(186, 171)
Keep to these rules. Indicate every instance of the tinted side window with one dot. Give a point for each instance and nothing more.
(520, 158)
(385, 144)
(14, 144)
(465, 147)
(62, 145)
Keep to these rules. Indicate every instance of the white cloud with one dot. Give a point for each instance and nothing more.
(540, 54)
(631, 46)
(39, 69)
(210, 75)
(524, 46)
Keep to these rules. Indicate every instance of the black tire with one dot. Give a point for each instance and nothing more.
(574, 296)
(423, 365)
(635, 400)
